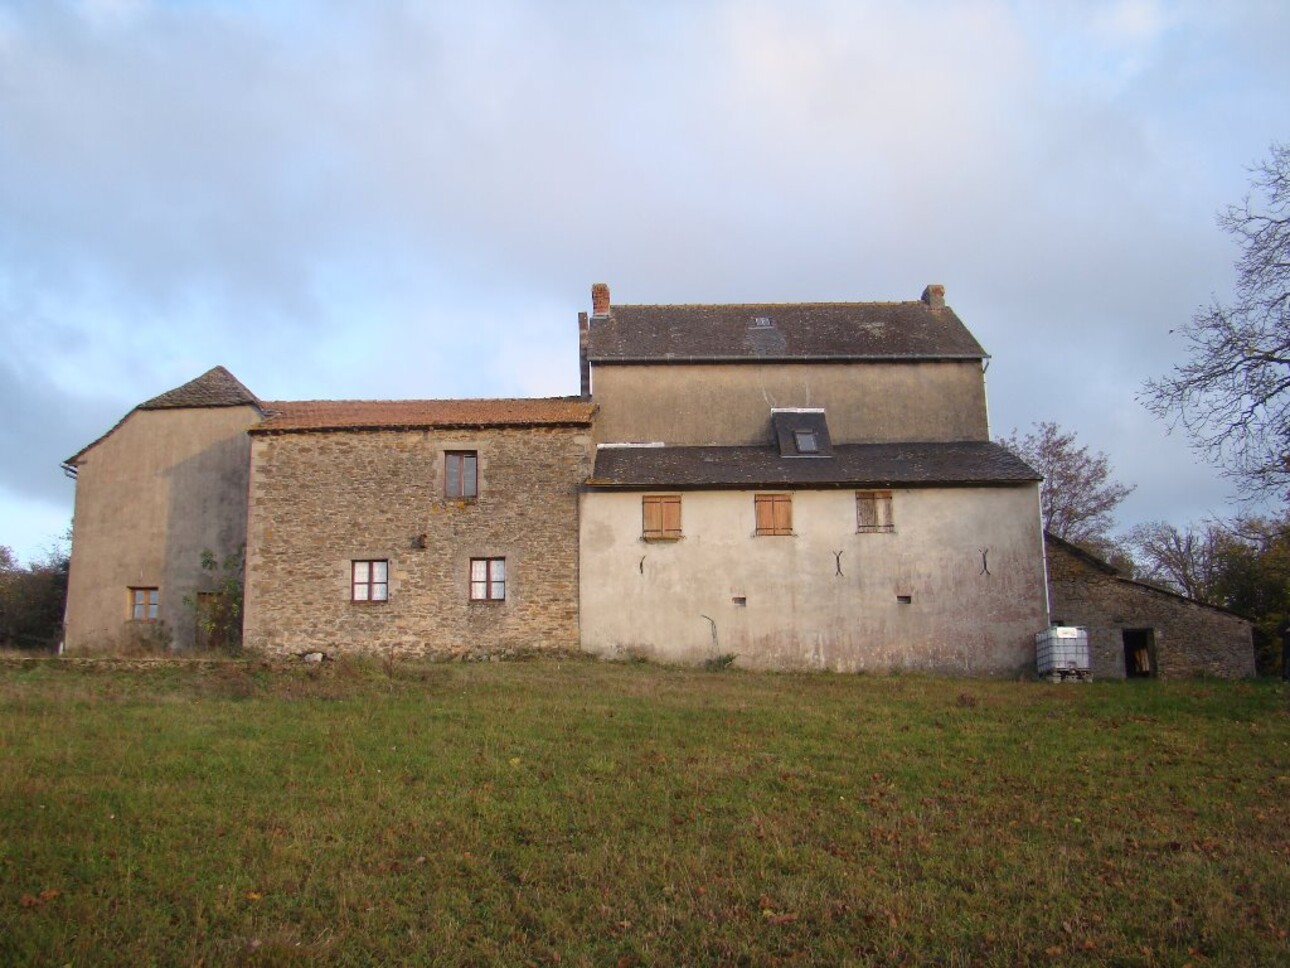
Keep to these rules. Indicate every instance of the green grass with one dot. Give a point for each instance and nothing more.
(582, 813)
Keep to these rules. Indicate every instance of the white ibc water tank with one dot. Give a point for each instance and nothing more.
(1062, 650)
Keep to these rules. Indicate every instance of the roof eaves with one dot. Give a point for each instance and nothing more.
(1180, 597)
(265, 430)
(769, 485)
(816, 358)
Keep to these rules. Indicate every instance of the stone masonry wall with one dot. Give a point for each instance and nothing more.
(1190, 639)
(319, 501)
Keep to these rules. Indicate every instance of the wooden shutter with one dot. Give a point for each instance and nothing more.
(671, 506)
(873, 511)
(774, 513)
(661, 515)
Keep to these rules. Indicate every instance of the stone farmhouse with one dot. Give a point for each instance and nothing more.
(807, 486)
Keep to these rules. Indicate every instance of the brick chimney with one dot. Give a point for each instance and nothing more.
(600, 299)
(934, 296)
(584, 365)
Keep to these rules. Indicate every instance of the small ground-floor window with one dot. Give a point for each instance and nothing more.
(144, 604)
(370, 581)
(488, 579)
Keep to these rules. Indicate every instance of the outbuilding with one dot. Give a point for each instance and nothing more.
(1137, 630)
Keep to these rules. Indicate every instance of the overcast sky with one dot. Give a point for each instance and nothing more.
(385, 200)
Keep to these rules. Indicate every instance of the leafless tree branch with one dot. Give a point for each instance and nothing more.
(1232, 395)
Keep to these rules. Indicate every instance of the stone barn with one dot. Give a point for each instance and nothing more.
(1136, 630)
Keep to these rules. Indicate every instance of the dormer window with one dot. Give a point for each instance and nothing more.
(806, 442)
(801, 432)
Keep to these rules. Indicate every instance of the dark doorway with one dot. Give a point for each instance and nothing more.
(1139, 653)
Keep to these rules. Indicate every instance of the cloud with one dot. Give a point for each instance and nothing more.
(411, 200)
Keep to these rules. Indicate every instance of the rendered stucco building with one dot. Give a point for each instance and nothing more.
(164, 485)
(803, 486)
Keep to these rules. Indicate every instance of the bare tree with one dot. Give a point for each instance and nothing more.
(1191, 561)
(1078, 495)
(1232, 395)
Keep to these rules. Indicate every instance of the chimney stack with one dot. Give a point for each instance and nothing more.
(934, 296)
(600, 299)
(584, 365)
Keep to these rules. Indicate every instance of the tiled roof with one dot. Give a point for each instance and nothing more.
(301, 416)
(870, 465)
(780, 331)
(217, 387)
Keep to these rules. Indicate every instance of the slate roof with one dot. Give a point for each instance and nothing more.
(785, 424)
(757, 332)
(852, 465)
(1052, 542)
(217, 387)
(303, 416)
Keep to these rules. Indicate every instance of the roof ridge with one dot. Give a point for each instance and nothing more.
(570, 398)
(734, 305)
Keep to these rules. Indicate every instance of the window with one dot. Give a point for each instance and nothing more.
(806, 442)
(488, 579)
(774, 513)
(461, 474)
(370, 581)
(873, 511)
(661, 517)
(144, 604)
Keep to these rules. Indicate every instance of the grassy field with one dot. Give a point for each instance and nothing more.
(581, 813)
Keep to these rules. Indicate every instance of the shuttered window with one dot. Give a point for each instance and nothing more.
(661, 517)
(774, 513)
(873, 511)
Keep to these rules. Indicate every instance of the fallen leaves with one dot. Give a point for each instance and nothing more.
(38, 900)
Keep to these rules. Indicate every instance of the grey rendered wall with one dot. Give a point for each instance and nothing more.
(150, 497)
(677, 601)
(730, 404)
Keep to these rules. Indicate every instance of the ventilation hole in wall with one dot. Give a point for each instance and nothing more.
(904, 599)
(740, 599)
